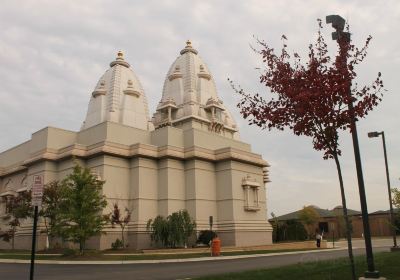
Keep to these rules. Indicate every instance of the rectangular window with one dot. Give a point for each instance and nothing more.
(251, 199)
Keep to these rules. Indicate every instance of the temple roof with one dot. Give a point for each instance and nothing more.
(189, 85)
(118, 97)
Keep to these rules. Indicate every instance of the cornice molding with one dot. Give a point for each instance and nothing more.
(136, 150)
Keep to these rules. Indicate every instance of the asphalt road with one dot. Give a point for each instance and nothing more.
(179, 270)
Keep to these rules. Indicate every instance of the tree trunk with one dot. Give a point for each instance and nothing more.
(122, 236)
(346, 218)
(81, 246)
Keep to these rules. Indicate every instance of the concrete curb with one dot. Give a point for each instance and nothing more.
(168, 260)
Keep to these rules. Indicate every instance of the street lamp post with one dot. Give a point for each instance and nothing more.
(338, 23)
(376, 134)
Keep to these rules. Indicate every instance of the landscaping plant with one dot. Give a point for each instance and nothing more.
(173, 231)
(313, 99)
(81, 207)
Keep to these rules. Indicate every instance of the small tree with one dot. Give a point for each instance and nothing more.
(172, 231)
(396, 203)
(309, 217)
(315, 99)
(122, 221)
(275, 227)
(396, 198)
(50, 210)
(81, 207)
(159, 230)
(295, 230)
(19, 208)
(181, 227)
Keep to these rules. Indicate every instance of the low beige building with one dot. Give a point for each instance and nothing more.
(188, 156)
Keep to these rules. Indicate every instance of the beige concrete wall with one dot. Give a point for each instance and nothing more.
(126, 135)
(205, 139)
(150, 186)
(38, 140)
(247, 238)
(24, 242)
(139, 240)
(51, 138)
(14, 181)
(65, 167)
(93, 135)
(167, 136)
(144, 191)
(171, 186)
(59, 138)
(113, 132)
(224, 192)
(201, 188)
(240, 171)
(15, 155)
(116, 176)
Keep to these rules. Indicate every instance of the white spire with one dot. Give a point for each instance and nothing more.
(189, 92)
(118, 97)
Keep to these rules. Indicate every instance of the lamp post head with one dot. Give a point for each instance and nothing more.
(337, 22)
(373, 134)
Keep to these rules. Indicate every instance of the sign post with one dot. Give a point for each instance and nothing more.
(37, 194)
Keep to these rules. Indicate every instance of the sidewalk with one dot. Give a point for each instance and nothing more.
(276, 246)
(247, 253)
(199, 259)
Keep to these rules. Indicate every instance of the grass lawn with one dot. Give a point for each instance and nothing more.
(387, 263)
(99, 256)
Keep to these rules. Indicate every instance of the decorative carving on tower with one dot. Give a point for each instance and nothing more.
(101, 90)
(190, 84)
(119, 98)
(166, 109)
(130, 90)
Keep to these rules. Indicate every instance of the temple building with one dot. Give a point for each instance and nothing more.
(187, 156)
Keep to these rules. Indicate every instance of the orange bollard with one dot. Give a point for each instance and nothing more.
(216, 247)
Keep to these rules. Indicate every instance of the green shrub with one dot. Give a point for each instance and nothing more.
(289, 230)
(117, 244)
(206, 236)
(173, 231)
(68, 252)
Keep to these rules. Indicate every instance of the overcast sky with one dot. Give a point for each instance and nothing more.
(52, 54)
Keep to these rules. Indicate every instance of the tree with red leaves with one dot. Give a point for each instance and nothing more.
(313, 99)
(122, 221)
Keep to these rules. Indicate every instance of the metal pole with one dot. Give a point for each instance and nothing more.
(389, 191)
(35, 218)
(338, 23)
(371, 273)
